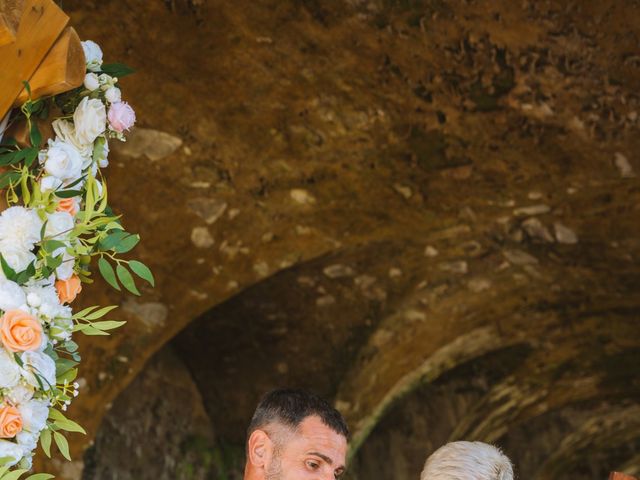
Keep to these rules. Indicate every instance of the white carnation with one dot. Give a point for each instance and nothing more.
(12, 451)
(41, 364)
(28, 440)
(66, 132)
(62, 160)
(90, 119)
(19, 229)
(91, 82)
(18, 260)
(92, 55)
(11, 295)
(9, 370)
(34, 415)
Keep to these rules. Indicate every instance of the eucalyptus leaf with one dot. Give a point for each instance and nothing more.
(142, 271)
(127, 279)
(62, 444)
(107, 272)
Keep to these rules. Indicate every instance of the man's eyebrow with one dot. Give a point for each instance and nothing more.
(324, 457)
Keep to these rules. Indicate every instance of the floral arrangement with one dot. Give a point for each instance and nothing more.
(56, 221)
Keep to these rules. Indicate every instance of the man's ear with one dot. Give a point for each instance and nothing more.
(260, 448)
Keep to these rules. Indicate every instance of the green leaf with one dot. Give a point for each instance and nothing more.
(68, 193)
(52, 245)
(14, 474)
(126, 279)
(30, 156)
(34, 135)
(9, 178)
(118, 70)
(40, 476)
(45, 442)
(127, 244)
(89, 330)
(64, 423)
(106, 270)
(112, 239)
(8, 271)
(62, 444)
(107, 324)
(69, 376)
(142, 271)
(27, 87)
(84, 312)
(63, 365)
(100, 313)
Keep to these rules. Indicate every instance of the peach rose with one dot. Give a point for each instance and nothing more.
(68, 289)
(19, 331)
(10, 421)
(68, 205)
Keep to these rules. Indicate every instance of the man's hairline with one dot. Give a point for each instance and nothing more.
(294, 429)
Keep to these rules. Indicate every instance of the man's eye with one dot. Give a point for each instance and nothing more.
(312, 465)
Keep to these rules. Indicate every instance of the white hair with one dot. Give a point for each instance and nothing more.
(467, 461)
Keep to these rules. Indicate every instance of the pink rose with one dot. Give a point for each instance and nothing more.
(121, 116)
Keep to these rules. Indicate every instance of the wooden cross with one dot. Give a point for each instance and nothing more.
(35, 46)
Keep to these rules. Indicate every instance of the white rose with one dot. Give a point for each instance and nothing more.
(41, 364)
(12, 451)
(113, 94)
(91, 82)
(65, 269)
(49, 183)
(66, 132)
(34, 415)
(19, 229)
(92, 55)
(20, 394)
(17, 259)
(90, 119)
(106, 81)
(9, 370)
(59, 225)
(62, 160)
(11, 295)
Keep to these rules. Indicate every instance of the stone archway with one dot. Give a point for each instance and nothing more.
(415, 185)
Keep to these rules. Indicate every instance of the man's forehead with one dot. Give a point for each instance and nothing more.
(315, 433)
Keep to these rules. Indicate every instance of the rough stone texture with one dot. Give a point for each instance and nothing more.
(157, 429)
(405, 135)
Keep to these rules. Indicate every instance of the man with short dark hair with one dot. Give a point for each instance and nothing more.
(295, 435)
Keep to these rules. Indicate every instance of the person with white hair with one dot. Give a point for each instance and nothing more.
(467, 461)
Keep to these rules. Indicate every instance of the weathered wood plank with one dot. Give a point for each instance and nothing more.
(61, 70)
(10, 14)
(41, 24)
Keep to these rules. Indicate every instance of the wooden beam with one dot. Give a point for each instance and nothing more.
(10, 14)
(63, 69)
(41, 24)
